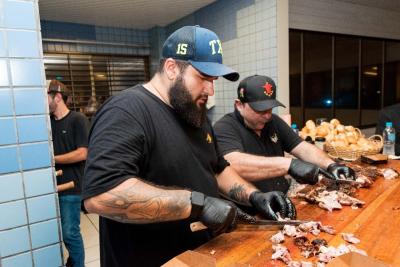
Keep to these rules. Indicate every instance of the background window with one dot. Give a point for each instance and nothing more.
(295, 77)
(346, 79)
(392, 74)
(317, 75)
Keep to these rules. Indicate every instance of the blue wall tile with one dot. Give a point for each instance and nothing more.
(3, 73)
(31, 129)
(28, 101)
(11, 187)
(44, 233)
(48, 256)
(14, 241)
(8, 159)
(3, 51)
(35, 156)
(13, 214)
(41, 208)
(21, 260)
(7, 130)
(38, 182)
(25, 18)
(6, 105)
(27, 72)
(23, 44)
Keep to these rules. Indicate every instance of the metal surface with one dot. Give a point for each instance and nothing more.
(258, 224)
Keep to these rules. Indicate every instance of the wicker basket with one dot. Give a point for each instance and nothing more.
(349, 154)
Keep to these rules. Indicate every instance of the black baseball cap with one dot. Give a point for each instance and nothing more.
(259, 92)
(56, 86)
(201, 48)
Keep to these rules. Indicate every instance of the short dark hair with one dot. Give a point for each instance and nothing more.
(55, 87)
(182, 65)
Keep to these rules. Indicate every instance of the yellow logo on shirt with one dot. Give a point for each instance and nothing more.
(209, 138)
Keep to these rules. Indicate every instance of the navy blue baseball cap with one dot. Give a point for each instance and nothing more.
(201, 48)
(259, 92)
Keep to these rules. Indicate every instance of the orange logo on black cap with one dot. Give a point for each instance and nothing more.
(209, 138)
(268, 89)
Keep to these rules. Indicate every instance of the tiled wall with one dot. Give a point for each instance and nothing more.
(247, 29)
(93, 39)
(29, 219)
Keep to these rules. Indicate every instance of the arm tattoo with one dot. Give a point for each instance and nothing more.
(138, 204)
(238, 193)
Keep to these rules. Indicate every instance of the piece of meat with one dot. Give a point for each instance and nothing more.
(357, 250)
(350, 238)
(290, 230)
(347, 200)
(389, 174)
(327, 229)
(363, 181)
(281, 253)
(294, 264)
(277, 238)
(328, 200)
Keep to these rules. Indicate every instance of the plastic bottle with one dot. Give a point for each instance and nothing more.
(389, 139)
(295, 129)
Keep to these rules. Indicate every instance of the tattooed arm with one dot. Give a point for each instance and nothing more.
(135, 201)
(231, 184)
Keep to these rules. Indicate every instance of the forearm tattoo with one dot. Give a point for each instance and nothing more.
(238, 193)
(139, 204)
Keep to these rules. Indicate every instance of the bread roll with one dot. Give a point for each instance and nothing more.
(321, 131)
(334, 122)
(340, 128)
(310, 124)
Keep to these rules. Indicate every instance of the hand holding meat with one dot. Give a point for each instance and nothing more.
(304, 172)
(272, 203)
(337, 170)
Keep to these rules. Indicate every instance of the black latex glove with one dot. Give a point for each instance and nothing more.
(221, 216)
(304, 172)
(337, 169)
(271, 203)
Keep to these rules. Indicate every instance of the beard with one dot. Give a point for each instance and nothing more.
(181, 100)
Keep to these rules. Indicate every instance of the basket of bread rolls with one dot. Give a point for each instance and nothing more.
(345, 142)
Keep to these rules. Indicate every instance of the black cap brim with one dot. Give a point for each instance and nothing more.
(216, 70)
(265, 104)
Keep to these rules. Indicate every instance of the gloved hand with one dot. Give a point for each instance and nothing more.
(304, 172)
(271, 203)
(220, 215)
(337, 169)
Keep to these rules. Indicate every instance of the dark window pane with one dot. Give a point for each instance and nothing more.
(371, 79)
(346, 80)
(295, 77)
(392, 74)
(317, 75)
(94, 78)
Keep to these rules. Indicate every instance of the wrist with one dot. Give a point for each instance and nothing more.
(253, 197)
(197, 203)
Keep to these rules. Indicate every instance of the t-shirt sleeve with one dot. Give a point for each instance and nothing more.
(116, 147)
(227, 137)
(222, 163)
(288, 137)
(81, 131)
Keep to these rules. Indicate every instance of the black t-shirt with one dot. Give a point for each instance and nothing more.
(70, 133)
(391, 113)
(134, 134)
(276, 138)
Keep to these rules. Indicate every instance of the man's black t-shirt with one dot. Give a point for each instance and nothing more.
(135, 134)
(276, 138)
(70, 133)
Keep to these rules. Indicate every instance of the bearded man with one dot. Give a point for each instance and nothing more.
(153, 165)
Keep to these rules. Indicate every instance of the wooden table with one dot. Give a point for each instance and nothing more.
(377, 225)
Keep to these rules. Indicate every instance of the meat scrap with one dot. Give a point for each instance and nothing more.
(281, 253)
(389, 173)
(350, 238)
(290, 230)
(277, 238)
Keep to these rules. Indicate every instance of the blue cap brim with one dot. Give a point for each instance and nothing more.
(215, 69)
